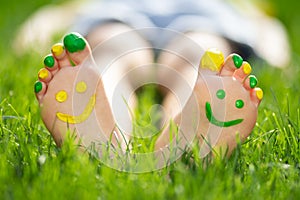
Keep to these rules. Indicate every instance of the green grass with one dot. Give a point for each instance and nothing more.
(266, 166)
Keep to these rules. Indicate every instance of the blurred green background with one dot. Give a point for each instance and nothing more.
(258, 170)
(14, 12)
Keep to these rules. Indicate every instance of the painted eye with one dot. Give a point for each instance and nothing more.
(239, 103)
(81, 87)
(221, 94)
(61, 96)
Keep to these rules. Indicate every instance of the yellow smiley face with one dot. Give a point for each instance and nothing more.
(62, 96)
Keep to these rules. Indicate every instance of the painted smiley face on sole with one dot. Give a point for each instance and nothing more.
(228, 100)
(73, 97)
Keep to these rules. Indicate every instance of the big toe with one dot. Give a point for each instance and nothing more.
(77, 47)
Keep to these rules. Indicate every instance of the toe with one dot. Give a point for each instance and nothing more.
(44, 75)
(59, 52)
(256, 95)
(250, 82)
(232, 63)
(212, 59)
(40, 89)
(50, 63)
(244, 71)
(77, 47)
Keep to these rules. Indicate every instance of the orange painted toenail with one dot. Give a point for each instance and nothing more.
(57, 49)
(43, 73)
(247, 68)
(61, 96)
(259, 93)
(81, 87)
(212, 59)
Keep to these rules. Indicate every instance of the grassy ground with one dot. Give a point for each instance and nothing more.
(266, 166)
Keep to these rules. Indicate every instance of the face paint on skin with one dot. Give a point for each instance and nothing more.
(49, 61)
(239, 103)
(214, 121)
(81, 87)
(61, 96)
(221, 94)
(237, 60)
(80, 118)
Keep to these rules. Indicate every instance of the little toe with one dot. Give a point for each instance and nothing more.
(59, 52)
(40, 90)
(77, 47)
(256, 95)
(244, 71)
(232, 63)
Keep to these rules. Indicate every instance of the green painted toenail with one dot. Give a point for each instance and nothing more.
(49, 61)
(238, 60)
(253, 81)
(38, 87)
(74, 42)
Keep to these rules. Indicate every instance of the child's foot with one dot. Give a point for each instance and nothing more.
(227, 100)
(71, 94)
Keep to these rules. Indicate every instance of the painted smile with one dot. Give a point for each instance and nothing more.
(216, 122)
(80, 118)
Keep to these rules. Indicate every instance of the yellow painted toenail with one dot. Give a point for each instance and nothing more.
(43, 73)
(57, 49)
(259, 93)
(61, 96)
(247, 68)
(212, 59)
(81, 87)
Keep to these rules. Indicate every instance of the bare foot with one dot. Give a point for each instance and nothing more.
(71, 95)
(227, 99)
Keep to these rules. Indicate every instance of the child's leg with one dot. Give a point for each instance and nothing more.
(124, 59)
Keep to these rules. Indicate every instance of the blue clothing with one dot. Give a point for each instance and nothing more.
(213, 16)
